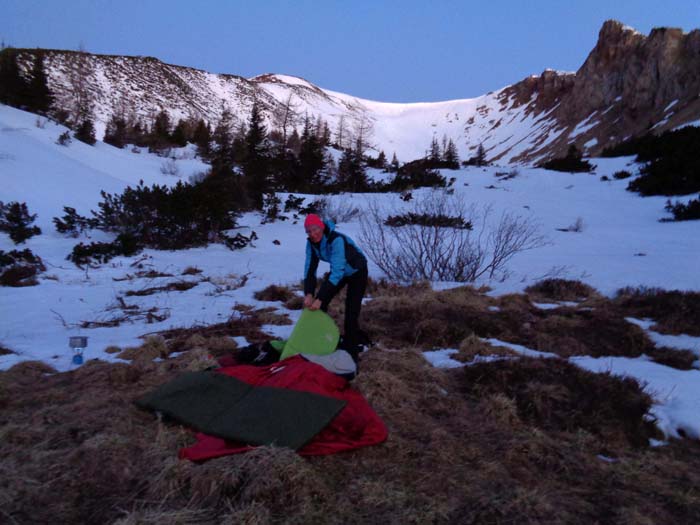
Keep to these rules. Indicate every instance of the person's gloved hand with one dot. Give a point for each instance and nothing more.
(308, 300)
(315, 305)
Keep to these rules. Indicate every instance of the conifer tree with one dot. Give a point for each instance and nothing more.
(12, 85)
(160, 131)
(16, 220)
(86, 132)
(381, 160)
(221, 155)
(116, 132)
(394, 164)
(256, 160)
(179, 135)
(451, 156)
(39, 96)
(351, 171)
(311, 159)
(202, 139)
(480, 159)
(434, 153)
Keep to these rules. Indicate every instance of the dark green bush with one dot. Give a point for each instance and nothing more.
(428, 220)
(573, 162)
(684, 212)
(19, 268)
(622, 174)
(16, 221)
(673, 165)
(102, 252)
(160, 217)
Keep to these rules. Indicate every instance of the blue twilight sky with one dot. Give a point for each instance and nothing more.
(392, 50)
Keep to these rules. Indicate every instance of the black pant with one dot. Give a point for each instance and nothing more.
(357, 283)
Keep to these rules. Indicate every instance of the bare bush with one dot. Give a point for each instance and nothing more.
(169, 167)
(436, 253)
(336, 210)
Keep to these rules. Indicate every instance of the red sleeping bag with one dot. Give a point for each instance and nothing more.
(357, 425)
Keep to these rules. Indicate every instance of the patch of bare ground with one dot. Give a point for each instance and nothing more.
(674, 311)
(5, 351)
(491, 444)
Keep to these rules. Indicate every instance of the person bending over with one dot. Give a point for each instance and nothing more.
(348, 267)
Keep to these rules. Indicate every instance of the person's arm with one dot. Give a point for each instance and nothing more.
(310, 267)
(330, 285)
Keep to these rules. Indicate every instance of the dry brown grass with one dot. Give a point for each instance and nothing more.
(274, 292)
(675, 312)
(511, 441)
(418, 316)
(561, 290)
(74, 449)
(246, 322)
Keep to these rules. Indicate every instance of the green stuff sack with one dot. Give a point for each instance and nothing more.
(315, 333)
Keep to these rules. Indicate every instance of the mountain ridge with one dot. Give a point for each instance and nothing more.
(629, 84)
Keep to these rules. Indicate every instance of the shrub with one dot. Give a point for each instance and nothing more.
(436, 253)
(675, 311)
(102, 252)
(271, 208)
(72, 223)
(673, 166)
(64, 139)
(336, 210)
(16, 220)
(573, 162)
(162, 217)
(169, 167)
(562, 290)
(622, 174)
(442, 221)
(558, 396)
(684, 212)
(19, 268)
(415, 174)
(86, 132)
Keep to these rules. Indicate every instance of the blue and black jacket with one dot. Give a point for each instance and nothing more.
(337, 249)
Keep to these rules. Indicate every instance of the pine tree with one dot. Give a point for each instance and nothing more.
(351, 171)
(221, 155)
(86, 132)
(434, 153)
(15, 220)
(116, 132)
(480, 159)
(381, 160)
(12, 85)
(202, 139)
(160, 131)
(39, 96)
(179, 135)
(451, 156)
(311, 159)
(394, 164)
(256, 160)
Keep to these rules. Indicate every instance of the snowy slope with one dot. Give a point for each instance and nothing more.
(621, 243)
